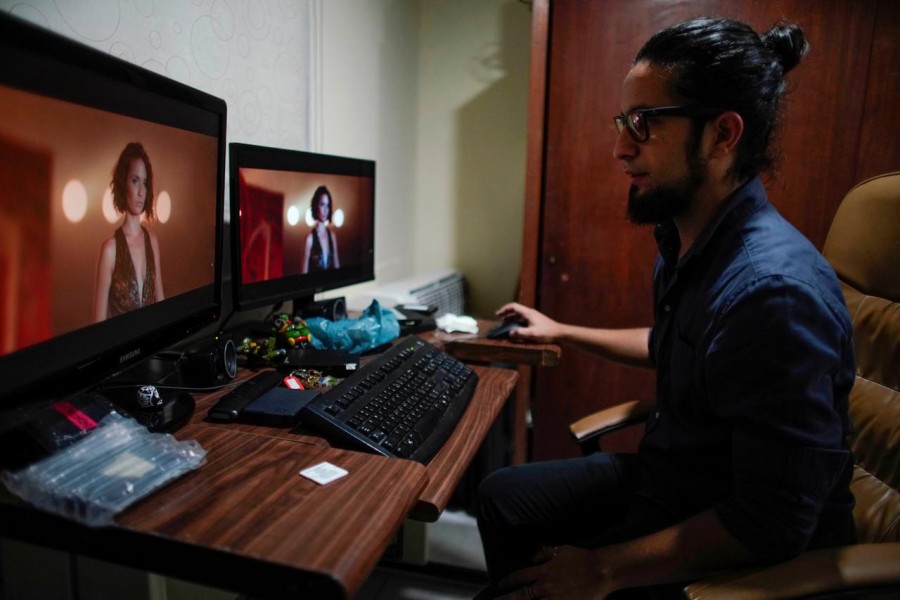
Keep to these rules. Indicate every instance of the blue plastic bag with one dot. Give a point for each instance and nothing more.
(374, 327)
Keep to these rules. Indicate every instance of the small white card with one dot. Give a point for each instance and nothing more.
(323, 473)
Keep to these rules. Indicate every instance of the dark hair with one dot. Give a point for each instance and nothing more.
(133, 151)
(316, 197)
(724, 65)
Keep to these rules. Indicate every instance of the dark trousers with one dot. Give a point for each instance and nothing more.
(589, 502)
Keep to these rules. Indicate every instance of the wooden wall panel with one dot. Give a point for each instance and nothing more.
(820, 134)
(588, 265)
(879, 147)
(593, 267)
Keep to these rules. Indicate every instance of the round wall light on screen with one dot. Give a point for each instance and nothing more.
(109, 210)
(293, 215)
(74, 201)
(308, 217)
(163, 207)
(338, 218)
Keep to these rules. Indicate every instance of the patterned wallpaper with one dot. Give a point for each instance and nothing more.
(258, 55)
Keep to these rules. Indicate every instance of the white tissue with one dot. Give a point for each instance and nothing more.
(451, 323)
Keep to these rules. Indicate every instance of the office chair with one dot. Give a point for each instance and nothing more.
(863, 246)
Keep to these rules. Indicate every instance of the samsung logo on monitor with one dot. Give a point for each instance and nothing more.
(129, 355)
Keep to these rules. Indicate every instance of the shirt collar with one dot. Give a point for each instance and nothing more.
(745, 200)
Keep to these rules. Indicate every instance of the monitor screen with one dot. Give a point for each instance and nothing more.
(302, 223)
(111, 213)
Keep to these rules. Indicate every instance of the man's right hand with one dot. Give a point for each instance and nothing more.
(540, 328)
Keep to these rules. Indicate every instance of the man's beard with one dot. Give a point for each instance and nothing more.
(673, 200)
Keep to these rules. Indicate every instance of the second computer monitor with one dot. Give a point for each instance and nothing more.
(302, 223)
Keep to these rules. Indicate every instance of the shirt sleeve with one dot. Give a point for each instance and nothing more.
(651, 337)
(778, 370)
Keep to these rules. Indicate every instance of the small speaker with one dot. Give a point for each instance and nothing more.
(333, 309)
(209, 364)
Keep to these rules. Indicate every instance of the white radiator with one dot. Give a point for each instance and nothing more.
(445, 289)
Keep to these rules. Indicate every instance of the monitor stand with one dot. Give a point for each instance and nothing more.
(333, 309)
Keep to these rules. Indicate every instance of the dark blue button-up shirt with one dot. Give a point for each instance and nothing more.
(753, 348)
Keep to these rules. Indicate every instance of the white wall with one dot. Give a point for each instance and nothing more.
(366, 105)
(472, 114)
(436, 92)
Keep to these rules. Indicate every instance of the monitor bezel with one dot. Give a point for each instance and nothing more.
(297, 288)
(42, 62)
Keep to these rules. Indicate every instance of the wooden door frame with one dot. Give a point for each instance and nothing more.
(535, 161)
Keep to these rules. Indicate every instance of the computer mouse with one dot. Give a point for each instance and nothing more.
(502, 330)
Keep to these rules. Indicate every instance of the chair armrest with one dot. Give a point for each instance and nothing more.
(830, 570)
(612, 418)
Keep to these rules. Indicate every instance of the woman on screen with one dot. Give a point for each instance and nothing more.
(128, 273)
(321, 250)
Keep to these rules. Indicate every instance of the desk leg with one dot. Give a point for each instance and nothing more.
(415, 542)
(519, 426)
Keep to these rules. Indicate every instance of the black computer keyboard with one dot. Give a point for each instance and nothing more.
(404, 403)
(229, 406)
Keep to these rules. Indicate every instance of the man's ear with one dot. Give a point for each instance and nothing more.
(728, 128)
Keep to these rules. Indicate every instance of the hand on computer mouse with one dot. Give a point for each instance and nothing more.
(502, 330)
(534, 325)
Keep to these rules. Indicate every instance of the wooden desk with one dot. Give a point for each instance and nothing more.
(447, 467)
(246, 521)
(478, 348)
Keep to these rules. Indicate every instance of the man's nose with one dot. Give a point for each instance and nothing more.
(625, 147)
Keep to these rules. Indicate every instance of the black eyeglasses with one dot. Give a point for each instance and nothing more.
(636, 120)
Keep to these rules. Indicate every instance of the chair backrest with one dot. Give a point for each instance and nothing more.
(863, 246)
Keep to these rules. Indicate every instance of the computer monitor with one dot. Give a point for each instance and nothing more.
(72, 309)
(301, 223)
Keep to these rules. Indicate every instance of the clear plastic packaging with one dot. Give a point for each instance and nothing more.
(97, 477)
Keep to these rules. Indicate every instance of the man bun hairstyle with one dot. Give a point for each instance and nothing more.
(787, 42)
(724, 65)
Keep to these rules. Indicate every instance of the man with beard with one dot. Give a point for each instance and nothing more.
(744, 460)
